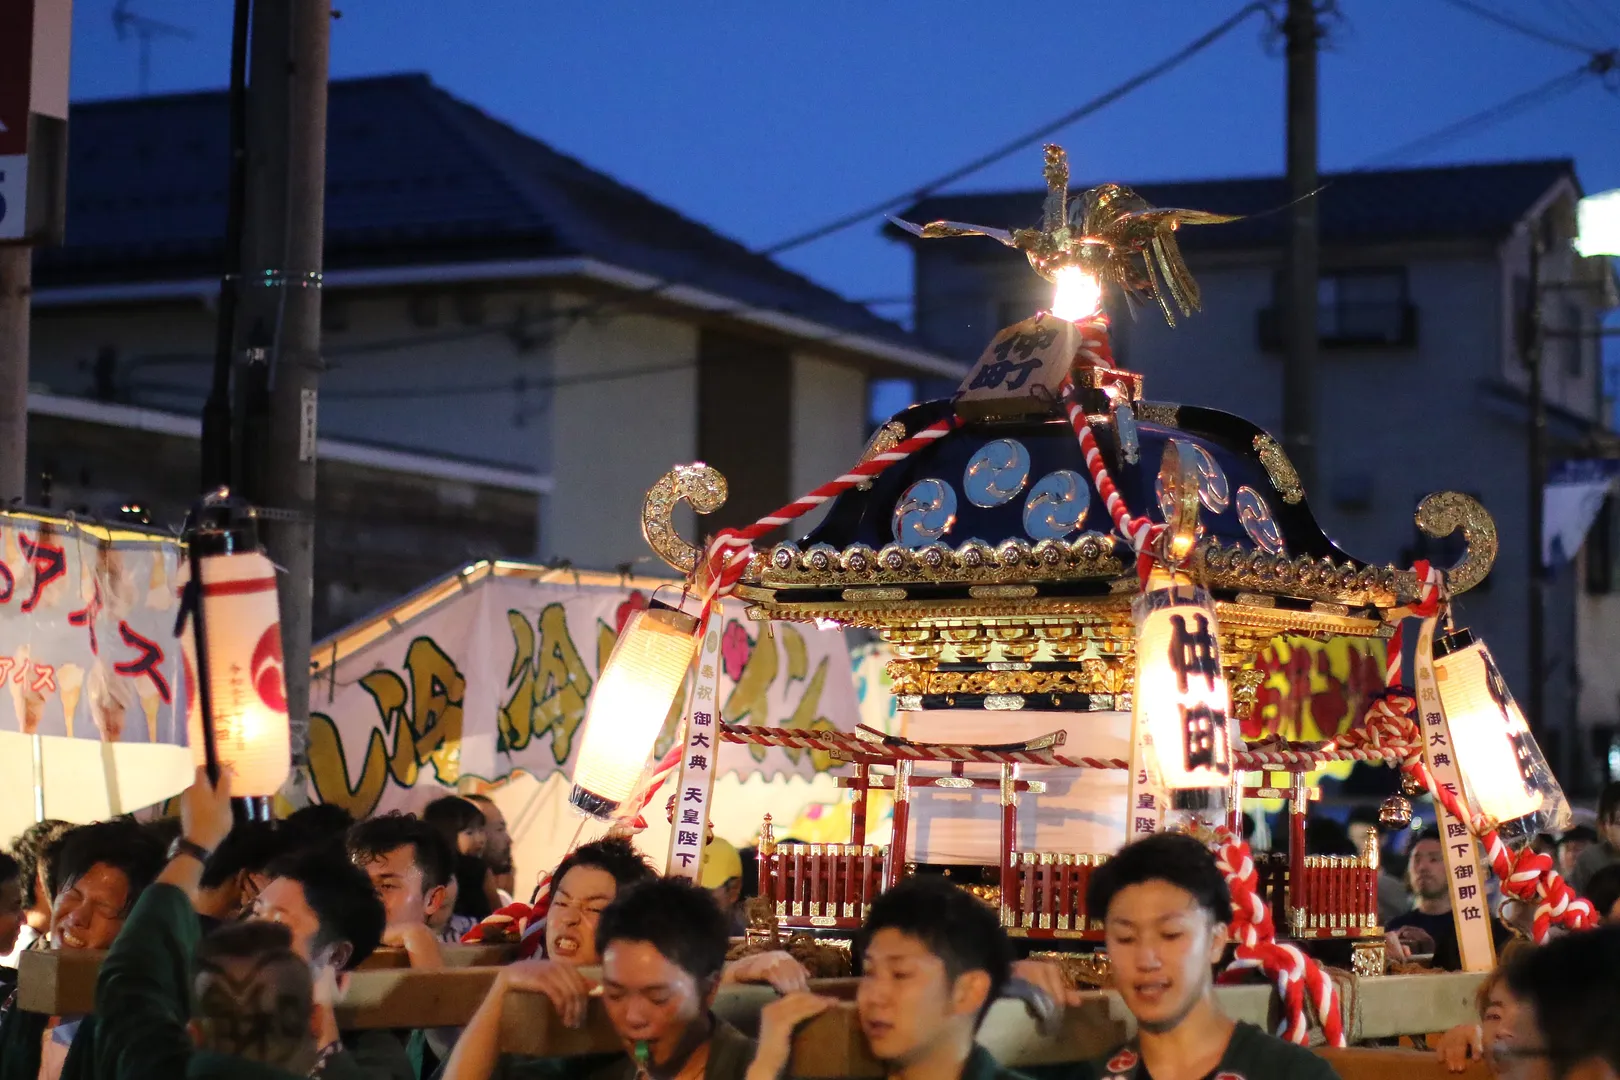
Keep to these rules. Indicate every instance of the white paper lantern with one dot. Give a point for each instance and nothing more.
(1181, 694)
(1505, 777)
(241, 621)
(629, 705)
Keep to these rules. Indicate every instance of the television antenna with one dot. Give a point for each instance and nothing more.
(145, 29)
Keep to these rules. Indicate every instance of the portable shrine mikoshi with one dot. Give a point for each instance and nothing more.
(1051, 547)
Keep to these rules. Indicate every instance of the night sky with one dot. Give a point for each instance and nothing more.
(763, 119)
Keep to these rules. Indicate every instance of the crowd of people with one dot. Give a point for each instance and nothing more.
(228, 946)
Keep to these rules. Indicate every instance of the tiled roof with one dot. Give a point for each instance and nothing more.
(1445, 203)
(414, 176)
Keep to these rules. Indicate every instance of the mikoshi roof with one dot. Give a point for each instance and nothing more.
(931, 536)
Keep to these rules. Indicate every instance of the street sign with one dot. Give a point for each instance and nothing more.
(13, 195)
(35, 37)
(16, 73)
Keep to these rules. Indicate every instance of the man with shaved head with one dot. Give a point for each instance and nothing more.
(252, 999)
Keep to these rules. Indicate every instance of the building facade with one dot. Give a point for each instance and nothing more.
(1421, 381)
(490, 307)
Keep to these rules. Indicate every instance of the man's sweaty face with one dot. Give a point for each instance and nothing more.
(576, 905)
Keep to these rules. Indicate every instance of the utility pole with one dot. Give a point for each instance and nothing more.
(1536, 607)
(217, 437)
(16, 285)
(1300, 264)
(279, 315)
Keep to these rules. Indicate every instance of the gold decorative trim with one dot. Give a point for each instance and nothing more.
(1163, 413)
(908, 679)
(1442, 514)
(1245, 690)
(973, 563)
(884, 439)
(699, 484)
(1001, 592)
(1244, 569)
(1284, 477)
(1095, 378)
(875, 594)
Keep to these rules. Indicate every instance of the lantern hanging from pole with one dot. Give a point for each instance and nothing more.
(1505, 777)
(1181, 695)
(235, 676)
(631, 701)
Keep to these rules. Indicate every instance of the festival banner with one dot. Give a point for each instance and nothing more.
(1310, 690)
(90, 665)
(488, 672)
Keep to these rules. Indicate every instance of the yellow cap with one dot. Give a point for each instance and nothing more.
(721, 863)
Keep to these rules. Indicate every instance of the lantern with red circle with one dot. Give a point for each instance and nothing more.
(237, 707)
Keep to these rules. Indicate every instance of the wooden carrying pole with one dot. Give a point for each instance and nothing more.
(386, 994)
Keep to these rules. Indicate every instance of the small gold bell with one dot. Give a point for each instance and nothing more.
(1395, 813)
(1411, 786)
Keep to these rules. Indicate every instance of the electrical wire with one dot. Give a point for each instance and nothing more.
(1480, 11)
(978, 164)
(555, 324)
(1006, 150)
(1523, 101)
(1577, 19)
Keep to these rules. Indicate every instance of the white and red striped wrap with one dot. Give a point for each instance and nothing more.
(529, 921)
(1097, 352)
(661, 771)
(849, 743)
(844, 742)
(1294, 974)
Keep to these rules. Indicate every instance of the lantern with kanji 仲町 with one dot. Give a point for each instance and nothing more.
(1181, 693)
(630, 704)
(1505, 776)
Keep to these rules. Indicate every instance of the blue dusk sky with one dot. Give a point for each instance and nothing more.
(764, 119)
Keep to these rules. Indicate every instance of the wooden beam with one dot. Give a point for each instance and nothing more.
(455, 956)
(1391, 1063)
(1414, 1004)
(402, 998)
(63, 983)
(58, 983)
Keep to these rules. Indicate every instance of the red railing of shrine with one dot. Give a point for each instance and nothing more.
(1043, 894)
(822, 885)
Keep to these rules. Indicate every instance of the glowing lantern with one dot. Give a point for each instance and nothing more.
(629, 705)
(237, 712)
(1076, 294)
(1181, 696)
(1504, 774)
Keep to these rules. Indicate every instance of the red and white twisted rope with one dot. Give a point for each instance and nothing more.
(661, 771)
(730, 550)
(1095, 349)
(848, 743)
(1293, 973)
(1525, 875)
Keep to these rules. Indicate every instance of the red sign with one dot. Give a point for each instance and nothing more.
(16, 73)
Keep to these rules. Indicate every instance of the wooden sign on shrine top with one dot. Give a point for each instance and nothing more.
(1021, 372)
